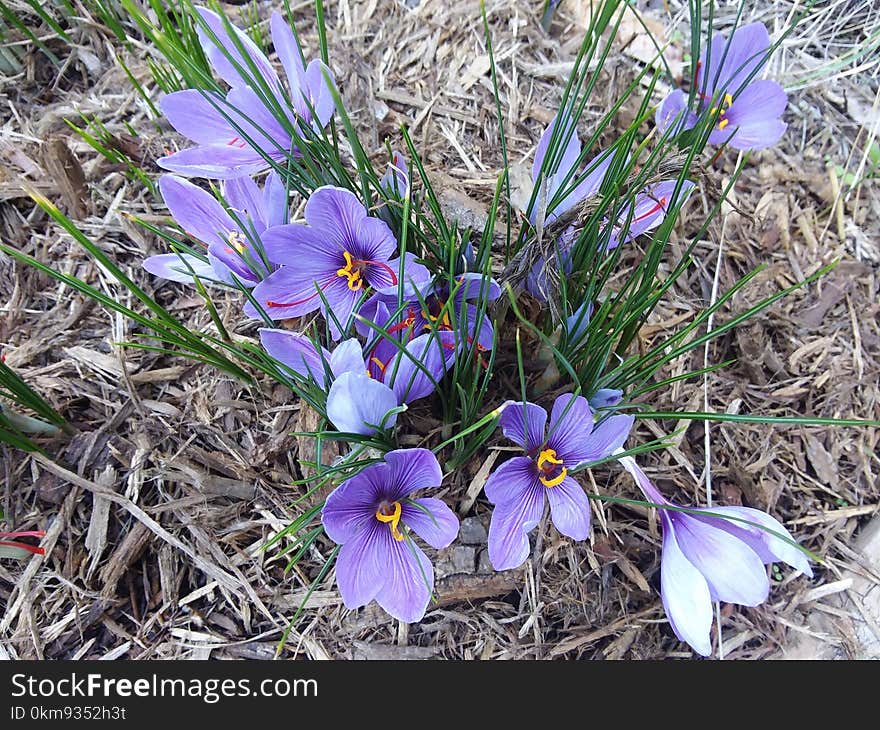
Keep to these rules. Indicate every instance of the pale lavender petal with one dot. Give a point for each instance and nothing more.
(512, 481)
(756, 135)
(318, 92)
(303, 248)
(395, 181)
(524, 423)
(673, 113)
(605, 398)
(571, 424)
(224, 55)
(351, 508)
(409, 381)
(215, 162)
(348, 357)
(587, 187)
(259, 127)
(608, 436)
(338, 214)
(566, 155)
(196, 210)
(288, 292)
(358, 404)
(743, 56)
(409, 579)
(288, 51)
(685, 594)
(245, 196)
(341, 302)
(410, 470)
(570, 509)
(577, 323)
(297, 352)
(196, 115)
(650, 209)
(361, 565)
(276, 207)
(476, 287)
(170, 266)
(733, 570)
(432, 520)
(768, 547)
(510, 526)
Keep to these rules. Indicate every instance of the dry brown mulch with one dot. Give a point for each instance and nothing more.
(177, 476)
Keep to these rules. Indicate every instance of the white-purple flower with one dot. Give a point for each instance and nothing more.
(748, 111)
(232, 237)
(373, 516)
(209, 119)
(707, 558)
(358, 401)
(331, 261)
(520, 486)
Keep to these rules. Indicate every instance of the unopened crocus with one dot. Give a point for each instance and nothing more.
(395, 181)
(232, 237)
(459, 310)
(235, 133)
(357, 400)
(709, 558)
(648, 211)
(10, 548)
(521, 485)
(747, 111)
(374, 517)
(331, 261)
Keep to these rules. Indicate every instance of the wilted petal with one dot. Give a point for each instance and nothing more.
(571, 423)
(297, 352)
(361, 566)
(409, 579)
(587, 187)
(358, 404)
(570, 509)
(180, 267)
(524, 423)
(224, 55)
(769, 547)
(510, 526)
(685, 594)
(733, 570)
(431, 520)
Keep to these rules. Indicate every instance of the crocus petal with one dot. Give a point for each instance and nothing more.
(562, 161)
(224, 55)
(673, 113)
(338, 214)
(409, 381)
(348, 357)
(608, 436)
(731, 62)
(275, 201)
(570, 509)
(768, 547)
(476, 287)
(215, 162)
(511, 481)
(510, 527)
(288, 51)
(685, 594)
(180, 267)
(587, 187)
(297, 352)
(351, 507)
(196, 210)
(340, 305)
(577, 323)
(754, 135)
(395, 181)
(245, 196)
(431, 520)
(361, 565)
(571, 424)
(523, 423)
(304, 248)
(733, 570)
(259, 127)
(288, 292)
(606, 397)
(358, 404)
(409, 579)
(196, 115)
(410, 470)
(376, 242)
(318, 92)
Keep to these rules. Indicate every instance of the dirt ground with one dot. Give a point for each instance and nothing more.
(157, 509)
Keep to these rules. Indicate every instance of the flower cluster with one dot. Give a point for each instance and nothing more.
(365, 323)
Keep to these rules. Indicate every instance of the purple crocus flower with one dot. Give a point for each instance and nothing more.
(373, 516)
(518, 487)
(562, 165)
(232, 238)
(395, 181)
(207, 117)
(357, 400)
(748, 113)
(338, 256)
(426, 308)
(648, 210)
(707, 558)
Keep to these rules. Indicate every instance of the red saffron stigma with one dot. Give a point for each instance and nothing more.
(658, 206)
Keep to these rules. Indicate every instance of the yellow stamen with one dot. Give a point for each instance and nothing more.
(393, 520)
(236, 241)
(546, 461)
(723, 123)
(355, 282)
(728, 100)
